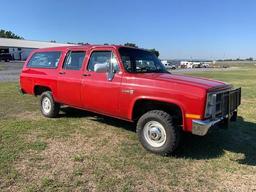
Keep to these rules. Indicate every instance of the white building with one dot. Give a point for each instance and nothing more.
(20, 49)
(20, 53)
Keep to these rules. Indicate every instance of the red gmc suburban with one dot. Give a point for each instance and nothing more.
(130, 84)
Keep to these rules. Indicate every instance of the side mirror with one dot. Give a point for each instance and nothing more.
(101, 68)
(105, 68)
(111, 74)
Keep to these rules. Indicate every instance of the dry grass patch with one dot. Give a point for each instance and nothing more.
(238, 182)
(69, 161)
(56, 163)
(27, 115)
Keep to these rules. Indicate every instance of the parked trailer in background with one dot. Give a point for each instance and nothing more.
(186, 64)
(168, 65)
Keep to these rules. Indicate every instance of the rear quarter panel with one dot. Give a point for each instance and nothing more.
(31, 77)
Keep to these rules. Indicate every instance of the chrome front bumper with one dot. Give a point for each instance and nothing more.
(201, 127)
(232, 99)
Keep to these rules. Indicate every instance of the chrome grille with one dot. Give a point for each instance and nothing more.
(227, 101)
(222, 103)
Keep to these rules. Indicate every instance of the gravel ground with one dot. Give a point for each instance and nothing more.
(10, 71)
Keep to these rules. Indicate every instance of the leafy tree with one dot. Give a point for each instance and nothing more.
(249, 59)
(131, 45)
(155, 52)
(82, 43)
(9, 34)
(134, 45)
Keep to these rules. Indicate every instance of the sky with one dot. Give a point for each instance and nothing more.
(179, 29)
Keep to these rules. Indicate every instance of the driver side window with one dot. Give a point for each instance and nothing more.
(102, 58)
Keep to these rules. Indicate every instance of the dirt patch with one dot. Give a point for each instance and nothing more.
(27, 115)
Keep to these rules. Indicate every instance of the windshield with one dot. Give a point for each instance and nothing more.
(140, 61)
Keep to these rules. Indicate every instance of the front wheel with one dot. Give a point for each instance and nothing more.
(157, 133)
(48, 106)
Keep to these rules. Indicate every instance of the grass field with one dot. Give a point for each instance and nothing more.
(82, 152)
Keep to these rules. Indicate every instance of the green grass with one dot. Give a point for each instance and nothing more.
(83, 152)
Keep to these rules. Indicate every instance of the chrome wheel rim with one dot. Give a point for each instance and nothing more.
(154, 133)
(46, 104)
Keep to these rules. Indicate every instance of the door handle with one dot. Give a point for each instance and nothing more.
(86, 75)
(61, 72)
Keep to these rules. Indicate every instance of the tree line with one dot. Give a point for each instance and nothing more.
(238, 59)
(9, 34)
(135, 46)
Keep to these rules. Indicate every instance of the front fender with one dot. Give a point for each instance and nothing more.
(167, 100)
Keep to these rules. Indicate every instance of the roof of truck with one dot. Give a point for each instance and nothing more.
(62, 48)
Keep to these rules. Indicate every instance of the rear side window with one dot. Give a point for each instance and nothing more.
(74, 60)
(45, 60)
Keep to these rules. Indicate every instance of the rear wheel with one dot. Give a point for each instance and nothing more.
(48, 106)
(157, 133)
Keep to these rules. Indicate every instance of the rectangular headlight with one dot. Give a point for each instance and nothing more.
(210, 105)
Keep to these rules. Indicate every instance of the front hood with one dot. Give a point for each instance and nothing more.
(188, 80)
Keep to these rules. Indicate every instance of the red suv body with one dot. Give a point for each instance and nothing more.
(129, 84)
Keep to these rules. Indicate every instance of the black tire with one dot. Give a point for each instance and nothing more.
(54, 107)
(172, 132)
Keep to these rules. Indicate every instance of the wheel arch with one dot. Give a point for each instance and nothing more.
(143, 104)
(39, 89)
